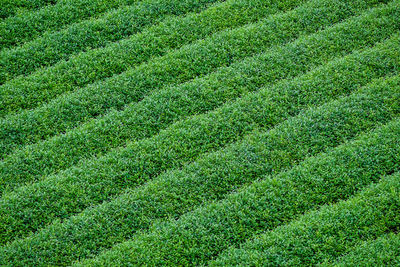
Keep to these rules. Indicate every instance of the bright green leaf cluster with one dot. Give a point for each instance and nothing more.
(176, 192)
(273, 65)
(323, 235)
(199, 132)
(200, 235)
(27, 25)
(94, 33)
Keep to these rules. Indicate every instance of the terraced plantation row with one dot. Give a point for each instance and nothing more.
(120, 57)
(229, 121)
(97, 32)
(238, 132)
(274, 64)
(27, 25)
(12, 7)
(381, 251)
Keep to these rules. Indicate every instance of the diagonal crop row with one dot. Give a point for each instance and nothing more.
(28, 25)
(199, 233)
(383, 251)
(178, 66)
(29, 127)
(177, 191)
(34, 161)
(40, 203)
(268, 137)
(157, 154)
(265, 109)
(321, 236)
(98, 32)
(97, 64)
(12, 7)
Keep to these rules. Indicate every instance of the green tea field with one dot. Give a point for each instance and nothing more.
(199, 132)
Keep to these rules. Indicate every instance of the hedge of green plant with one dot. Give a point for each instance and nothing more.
(28, 25)
(200, 235)
(29, 127)
(322, 235)
(193, 133)
(383, 251)
(178, 191)
(32, 162)
(98, 32)
(191, 61)
(12, 7)
(265, 108)
(98, 64)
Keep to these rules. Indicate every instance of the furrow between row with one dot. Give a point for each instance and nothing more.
(99, 32)
(201, 235)
(290, 60)
(28, 25)
(176, 191)
(178, 66)
(153, 44)
(321, 236)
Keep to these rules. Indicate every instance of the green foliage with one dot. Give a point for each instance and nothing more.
(40, 203)
(271, 66)
(13, 7)
(191, 133)
(95, 65)
(28, 25)
(191, 61)
(383, 251)
(96, 32)
(199, 236)
(323, 235)
(170, 195)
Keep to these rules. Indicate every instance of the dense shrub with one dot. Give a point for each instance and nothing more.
(325, 178)
(86, 68)
(383, 251)
(273, 65)
(192, 133)
(41, 202)
(96, 32)
(199, 236)
(28, 25)
(193, 60)
(323, 235)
